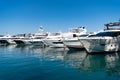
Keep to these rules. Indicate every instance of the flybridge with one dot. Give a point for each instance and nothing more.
(113, 26)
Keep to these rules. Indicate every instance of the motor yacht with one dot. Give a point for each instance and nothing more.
(74, 43)
(7, 39)
(32, 39)
(57, 39)
(107, 40)
(54, 40)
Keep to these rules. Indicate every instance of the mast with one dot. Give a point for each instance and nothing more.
(40, 29)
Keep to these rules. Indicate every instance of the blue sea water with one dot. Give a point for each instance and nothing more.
(36, 63)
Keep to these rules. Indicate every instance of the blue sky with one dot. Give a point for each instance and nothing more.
(25, 16)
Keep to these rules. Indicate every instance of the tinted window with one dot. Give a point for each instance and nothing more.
(54, 34)
(112, 34)
(83, 35)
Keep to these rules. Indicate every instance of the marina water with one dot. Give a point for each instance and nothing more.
(37, 63)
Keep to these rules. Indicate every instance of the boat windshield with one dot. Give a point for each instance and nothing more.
(85, 35)
(111, 34)
(54, 34)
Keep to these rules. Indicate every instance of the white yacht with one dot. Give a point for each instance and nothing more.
(32, 39)
(57, 39)
(54, 40)
(7, 39)
(22, 41)
(74, 43)
(105, 41)
(36, 39)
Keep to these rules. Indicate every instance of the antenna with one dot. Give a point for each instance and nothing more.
(40, 29)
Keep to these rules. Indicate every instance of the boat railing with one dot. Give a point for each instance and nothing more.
(78, 29)
(113, 29)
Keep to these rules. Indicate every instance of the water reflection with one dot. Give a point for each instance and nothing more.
(112, 63)
(80, 60)
(108, 63)
(75, 58)
(54, 53)
(83, 61)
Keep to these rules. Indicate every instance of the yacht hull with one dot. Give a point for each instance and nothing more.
(73, 43)
(7, 41)
(19, 42)
(3, 42)
(37, 42)
(54, 43)
(101, 44)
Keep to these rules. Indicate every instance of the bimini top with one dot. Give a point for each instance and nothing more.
(112, 26)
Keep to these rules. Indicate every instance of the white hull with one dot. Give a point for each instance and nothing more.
(22, 42)
(101, 44)
(54, 43)
(10, 41)
(56, 39)
(38, 42)
(7, 41)
(30, 41)
(73, 43)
